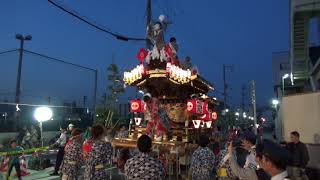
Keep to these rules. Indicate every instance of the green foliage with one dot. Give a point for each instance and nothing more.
(115, 86)
(110, 99)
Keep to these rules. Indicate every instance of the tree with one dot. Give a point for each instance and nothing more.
(115, 87)
(111, 97)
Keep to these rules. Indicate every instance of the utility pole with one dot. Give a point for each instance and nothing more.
(243, 89)
(148, 25)
(18, 83)
(242, 106)
(113, 57)
(84, 101)
(95, 92)
(49, 100)
(225, 84)
(225, 88)
(253, 97)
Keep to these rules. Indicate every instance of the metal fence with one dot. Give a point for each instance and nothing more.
(69, 89)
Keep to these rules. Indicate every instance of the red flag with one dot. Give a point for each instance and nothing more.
(142, 54)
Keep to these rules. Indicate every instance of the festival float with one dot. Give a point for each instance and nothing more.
(175, 106)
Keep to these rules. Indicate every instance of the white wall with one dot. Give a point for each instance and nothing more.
(302, 113)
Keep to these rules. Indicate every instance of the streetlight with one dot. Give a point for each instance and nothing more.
(22, 39)
(226, 110)
(244, 115)
(275, 102)
(237, 114)
(283, 78)
(42, 114)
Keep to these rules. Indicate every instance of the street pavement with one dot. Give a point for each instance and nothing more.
(45, 175)
(35, 175)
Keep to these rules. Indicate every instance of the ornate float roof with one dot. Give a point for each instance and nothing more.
(171, 82)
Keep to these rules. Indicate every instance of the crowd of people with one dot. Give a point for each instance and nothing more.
(262, 159)
(29, 137)
(77, 148)
(94, 145)
(222, 156)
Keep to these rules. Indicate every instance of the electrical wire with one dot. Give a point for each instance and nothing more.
(39, 105)
(85, 20)
(4, 52)
(58, 60)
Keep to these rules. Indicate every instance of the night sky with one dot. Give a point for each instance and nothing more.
(243, 33)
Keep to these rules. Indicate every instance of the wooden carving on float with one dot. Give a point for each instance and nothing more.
(177, 113)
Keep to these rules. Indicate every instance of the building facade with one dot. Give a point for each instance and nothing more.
(304, 56)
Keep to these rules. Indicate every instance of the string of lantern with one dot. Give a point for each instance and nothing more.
(204, 116)
(174, 72)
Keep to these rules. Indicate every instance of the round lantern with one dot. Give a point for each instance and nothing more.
(214, 115)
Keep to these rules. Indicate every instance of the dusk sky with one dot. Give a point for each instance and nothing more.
(242, 33)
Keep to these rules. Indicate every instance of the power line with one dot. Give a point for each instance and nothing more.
(38, 105)
(4, 52)
(58, 60)
(85, 20)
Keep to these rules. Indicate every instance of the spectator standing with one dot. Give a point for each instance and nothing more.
(26, 140)
(99, 157)
(88, 143)
(21, 134)
(60, 144)
(202, 161)
(35, 138)
(299, 157)
(124, 155)
(87, 133)
(69, 130)
(224, 171)
(245, 173)
(14, 159)
(248, 143)
(274, 160)
(143, 166)
(71, 162)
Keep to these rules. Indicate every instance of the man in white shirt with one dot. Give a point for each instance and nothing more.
(248, 143)
(60, 143)
(274, 160)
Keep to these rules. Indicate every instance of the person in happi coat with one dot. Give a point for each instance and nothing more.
(72, 162)
(100, 156)
(143, 166)
(202, 161)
